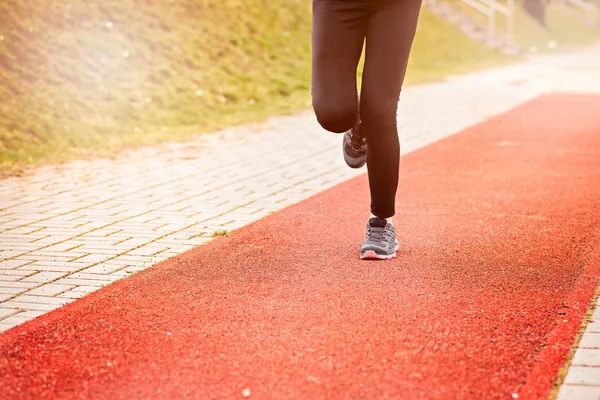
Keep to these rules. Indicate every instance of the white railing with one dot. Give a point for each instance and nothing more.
(491, 17)
(508, 11)
(490, 8)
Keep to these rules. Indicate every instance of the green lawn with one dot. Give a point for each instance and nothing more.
(81, 79)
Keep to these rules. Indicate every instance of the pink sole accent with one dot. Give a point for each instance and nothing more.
(371, 255)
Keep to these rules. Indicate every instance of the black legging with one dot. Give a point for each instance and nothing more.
(339, 30)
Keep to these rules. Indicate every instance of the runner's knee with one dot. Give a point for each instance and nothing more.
(334, 116)
(376, 117)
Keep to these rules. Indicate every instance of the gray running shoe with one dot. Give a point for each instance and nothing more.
(380, 241)
(355, 147)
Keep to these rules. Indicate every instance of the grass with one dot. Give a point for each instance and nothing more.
(97, 77)
(81, 79)
(220, 233)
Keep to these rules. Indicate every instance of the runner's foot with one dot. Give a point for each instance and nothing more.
(355, 147)
(380, 241)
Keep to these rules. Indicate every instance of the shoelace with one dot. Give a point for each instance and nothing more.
(357, 139)
(375, 234)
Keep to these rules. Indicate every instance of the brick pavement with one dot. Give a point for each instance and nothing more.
(66, 231)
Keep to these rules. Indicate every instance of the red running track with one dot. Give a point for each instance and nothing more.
(498, 226)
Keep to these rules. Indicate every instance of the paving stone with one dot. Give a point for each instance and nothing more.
(9, 278)
(51, 289)
(16, 319)
(19, 246)
(50, 268)
(30, 299)
(4, 327)
(65, 257)
(6, 312)
(580, 375)
(587, 357)
(31, 314)
(95, 258)
(53, 239)
(72, 295)
(41, 265)
(134, 242)
(82, 282)
(102, 269)
(29, 306)
(6, 254)
(590, 340)
(594, 326)
(15, 272)
(23, 230)
(20, 238)
(6, 296)
(19, 284)
(93, 277)
(63, 247)
(575, 392)
(148, 250)
(44, 277)
(12, 290)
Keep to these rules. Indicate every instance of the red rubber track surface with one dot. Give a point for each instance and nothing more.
(498, 229)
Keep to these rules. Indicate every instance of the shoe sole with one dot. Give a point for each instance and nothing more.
(371, 255)
(355, 163)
